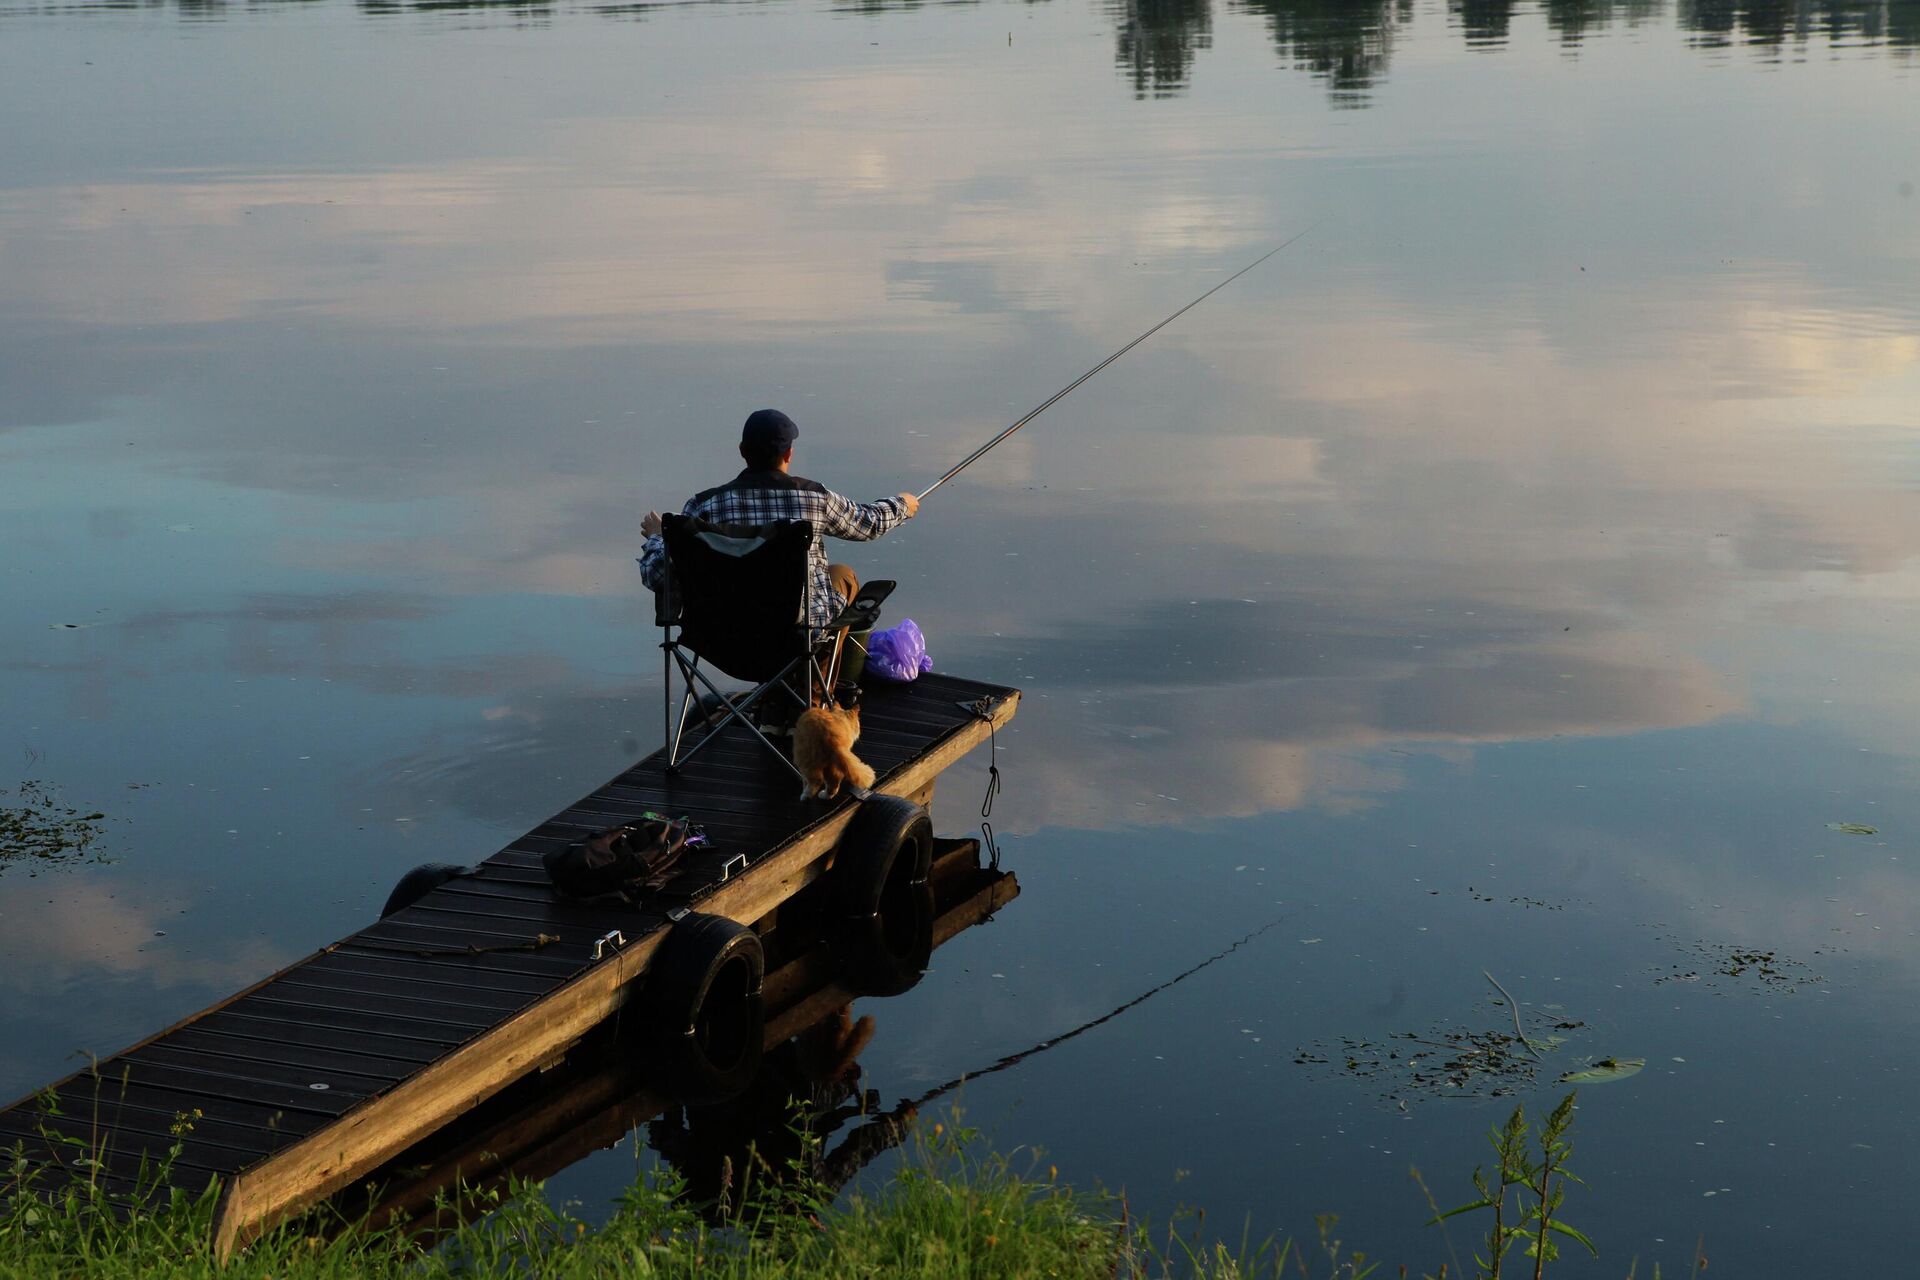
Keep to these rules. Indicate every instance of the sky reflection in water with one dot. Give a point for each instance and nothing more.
(1539, 530)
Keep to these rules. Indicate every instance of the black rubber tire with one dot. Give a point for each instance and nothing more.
(703, 1008)
(419, 882)
(883, 903)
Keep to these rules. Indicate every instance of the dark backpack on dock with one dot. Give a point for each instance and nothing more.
(620, 859)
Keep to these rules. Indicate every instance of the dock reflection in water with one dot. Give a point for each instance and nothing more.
(809, 1083)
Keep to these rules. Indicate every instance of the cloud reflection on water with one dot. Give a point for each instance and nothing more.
(1124, 731)
(118, 947)
(1488, 462)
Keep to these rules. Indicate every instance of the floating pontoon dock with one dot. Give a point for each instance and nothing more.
(311, 1079)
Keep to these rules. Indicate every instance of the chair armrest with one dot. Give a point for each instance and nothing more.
(863, 610)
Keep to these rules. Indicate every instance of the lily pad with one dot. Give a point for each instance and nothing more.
(1605, 1071)
(1853, 828)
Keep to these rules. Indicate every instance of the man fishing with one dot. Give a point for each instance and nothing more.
(768, 490)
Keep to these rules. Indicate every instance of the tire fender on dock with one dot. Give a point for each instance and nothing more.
(883, 902)
(419, 882)
(702, 1004)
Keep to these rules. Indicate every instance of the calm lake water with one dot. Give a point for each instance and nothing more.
(1517, 576)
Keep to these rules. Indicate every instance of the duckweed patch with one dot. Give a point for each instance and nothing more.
(1445, 1061)
(1757, 968)
(40, 830)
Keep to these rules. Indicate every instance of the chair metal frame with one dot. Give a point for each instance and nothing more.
(737, 706)
(819, 658)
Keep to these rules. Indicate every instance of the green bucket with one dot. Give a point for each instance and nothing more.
(853, 658)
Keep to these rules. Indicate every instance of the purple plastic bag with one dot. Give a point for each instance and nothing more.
(898, 653)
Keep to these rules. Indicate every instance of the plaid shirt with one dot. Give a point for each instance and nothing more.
(757, 497)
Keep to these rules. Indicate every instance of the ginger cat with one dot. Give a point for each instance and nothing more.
(823, 741)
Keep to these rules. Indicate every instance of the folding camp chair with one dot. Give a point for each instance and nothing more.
(738, 596)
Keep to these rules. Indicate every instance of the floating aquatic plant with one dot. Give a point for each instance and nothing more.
(38, 828)
(1762, 967)
(1445, 1061)
(1605, 1071)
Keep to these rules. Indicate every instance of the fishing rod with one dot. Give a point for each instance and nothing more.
(1065, 391)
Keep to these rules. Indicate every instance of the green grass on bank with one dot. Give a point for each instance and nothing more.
(945, 1214)
(949, 1212)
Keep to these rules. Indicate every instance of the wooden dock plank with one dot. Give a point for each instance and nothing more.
(428, 1014)
(332, 1056)
(47, 1171)
(572, 924)
(454, 971)
(133, 1131)
(299, 1031)
(105, 1101)
(121, 1169)
(439, 1036)
(367, 1077)
(405, 934)
(495, 886)
(498, 967)
(197, 1083)
(480, 1001)
(453, 909)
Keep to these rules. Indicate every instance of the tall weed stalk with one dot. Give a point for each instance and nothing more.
(1525, 1192)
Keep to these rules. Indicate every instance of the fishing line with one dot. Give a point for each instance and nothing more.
(1015, 1059)
(1062, 394)
(884, 1130)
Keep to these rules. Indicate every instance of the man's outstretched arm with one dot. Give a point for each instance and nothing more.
(865, 521)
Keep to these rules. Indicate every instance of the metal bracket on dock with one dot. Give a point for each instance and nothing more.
(738, 862)
(612, 940)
